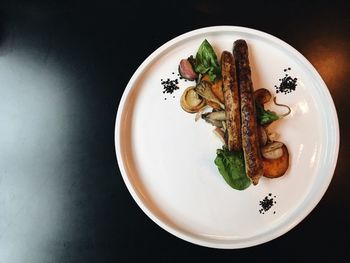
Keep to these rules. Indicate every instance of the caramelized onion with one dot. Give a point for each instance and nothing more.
(191, 101)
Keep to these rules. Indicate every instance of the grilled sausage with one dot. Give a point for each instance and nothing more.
(249, 127)
(231, 99)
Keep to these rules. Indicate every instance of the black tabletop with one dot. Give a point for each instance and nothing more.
(63, 69)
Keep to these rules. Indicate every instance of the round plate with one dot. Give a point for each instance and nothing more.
(167, 159)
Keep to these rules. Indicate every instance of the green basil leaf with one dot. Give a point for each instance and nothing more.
(206, 61)
(265, 116)
(231, 167)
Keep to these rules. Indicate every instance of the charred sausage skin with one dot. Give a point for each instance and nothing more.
(249, 126)
(231, 98)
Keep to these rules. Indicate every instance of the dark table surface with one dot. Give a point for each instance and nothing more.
(63, 69)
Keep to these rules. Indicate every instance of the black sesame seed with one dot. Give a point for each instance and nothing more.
(266, 203)
(287, 85)
(289, 68)
(169, 86)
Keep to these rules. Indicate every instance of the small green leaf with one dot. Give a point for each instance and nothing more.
(231, 167)
(265, 116)
(206, 61)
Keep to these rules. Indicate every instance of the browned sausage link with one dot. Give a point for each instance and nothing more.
(250, 139)
(231, 97)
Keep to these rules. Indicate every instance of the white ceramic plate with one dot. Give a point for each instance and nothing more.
(167, 159)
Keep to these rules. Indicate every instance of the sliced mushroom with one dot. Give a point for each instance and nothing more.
(262, 136)
(216, 87)
(224, 126)
(204, 90)
(262, 96)
(272, 136)
(191, 101)
(272, 150)
(215, 115)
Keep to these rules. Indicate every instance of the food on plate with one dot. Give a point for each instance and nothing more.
(263, 135)
(206, 61)
(191, 101)
(272, 150)
(186, 70)
(216, 87)
(231, 98)
(224, 97)
(215, 115)
(204, 89)
(266, 117)
(250, 139)
(276, 161)
(262, 96)
(231, 167)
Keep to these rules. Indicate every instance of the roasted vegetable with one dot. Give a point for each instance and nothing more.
(203, 88)
(262, 135)
(191, 101)
(276, 167)
(272, 150)
(216, 87)
(215, 115)
(262, 96)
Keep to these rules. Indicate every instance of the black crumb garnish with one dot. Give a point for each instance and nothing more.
(169, 85)
(288, 83)
(267, 203)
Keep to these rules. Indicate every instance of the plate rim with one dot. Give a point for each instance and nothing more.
(333, 154)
